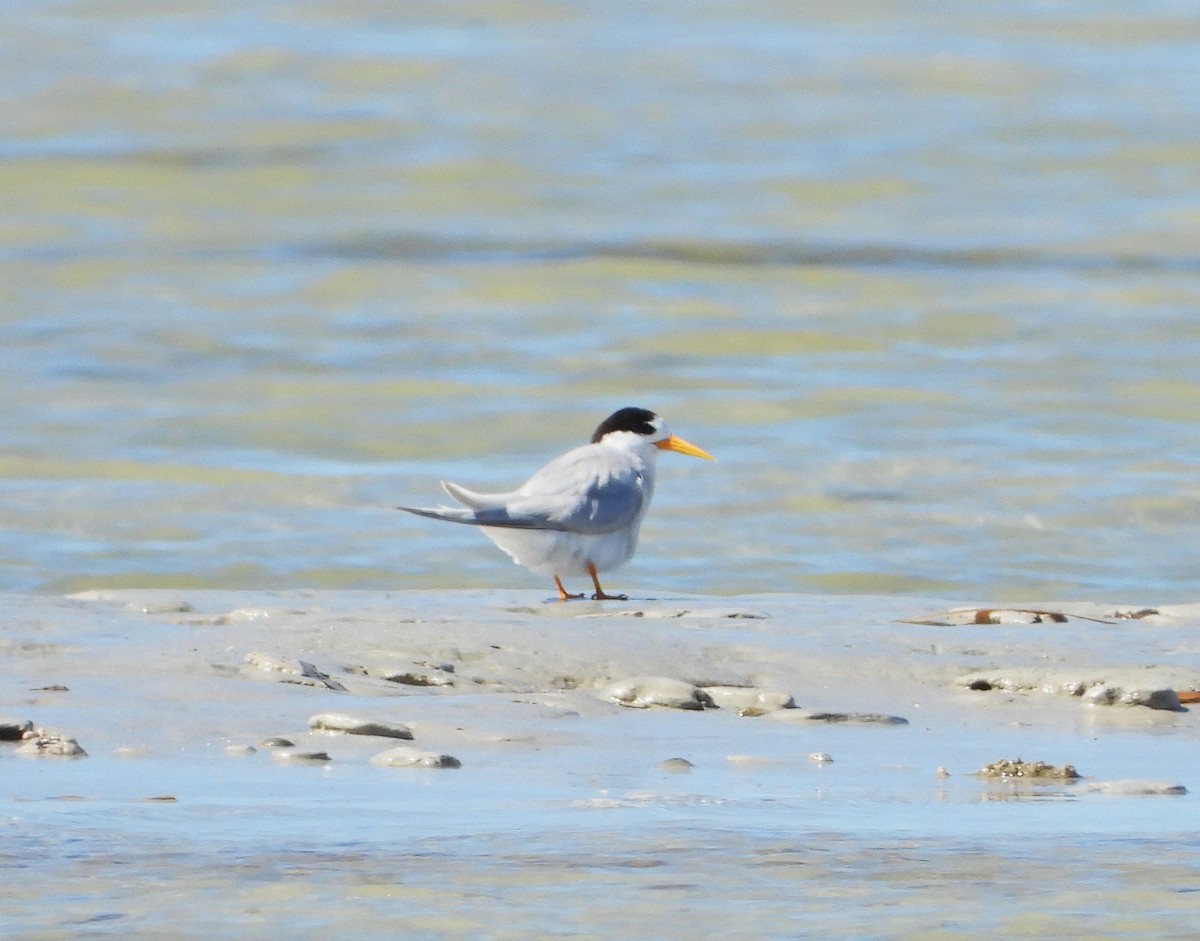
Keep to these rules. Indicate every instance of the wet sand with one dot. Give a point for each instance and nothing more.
(767, 764)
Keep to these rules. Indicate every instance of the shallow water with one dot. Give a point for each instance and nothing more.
(924, 279)
(664, 873)
(561, 822)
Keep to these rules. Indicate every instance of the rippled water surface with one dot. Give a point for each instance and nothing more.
(924, 276)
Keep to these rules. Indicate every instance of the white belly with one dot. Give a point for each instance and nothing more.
(564, 554)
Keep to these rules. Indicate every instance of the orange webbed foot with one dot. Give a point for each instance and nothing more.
(601, 594)
(563, 594)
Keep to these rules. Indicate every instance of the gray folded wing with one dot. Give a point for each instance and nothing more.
(498, 518)
(571, 494)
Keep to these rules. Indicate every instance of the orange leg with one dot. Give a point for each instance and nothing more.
(562, 592)
(601, 594)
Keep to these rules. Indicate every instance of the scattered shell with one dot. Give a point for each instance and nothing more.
(277, 741)
(1105, 695)
(304, 672)
(239, 750)
(957, 617)
(1028, 770)
(942, 772)
(300, 757)
(50, 745)
(1097, 692)
(676, 765)
(13, 730)
(748, 700)
(642, 692)
(353, 725)
(405, 756)
(820, 757)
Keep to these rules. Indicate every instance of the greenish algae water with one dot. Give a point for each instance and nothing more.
(923, 277)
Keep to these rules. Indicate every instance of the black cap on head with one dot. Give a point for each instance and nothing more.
(640, 421)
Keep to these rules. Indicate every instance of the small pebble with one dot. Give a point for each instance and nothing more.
(301, 757)
(676, 765)
(1105, 695)
(820, 757)
(51, 745)
(642, 692)
(415, 678)
(353, 725)
(240, 750)
(13, 730)
(277, 741)
(405, 756)
(748, 700)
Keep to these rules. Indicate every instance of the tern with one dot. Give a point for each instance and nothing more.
(581, 513)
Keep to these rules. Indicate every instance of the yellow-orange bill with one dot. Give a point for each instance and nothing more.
(676, 443)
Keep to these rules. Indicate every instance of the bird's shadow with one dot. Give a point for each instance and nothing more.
(587, 599)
